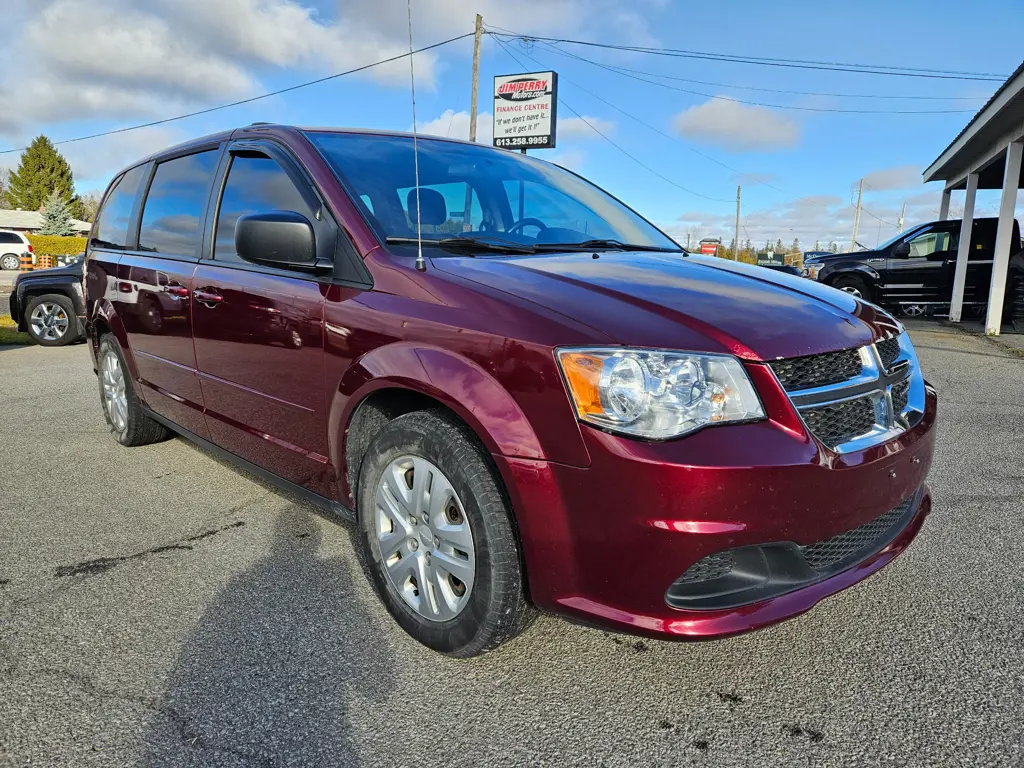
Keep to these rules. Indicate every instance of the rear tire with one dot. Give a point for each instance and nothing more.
(854, 286)
(10, 261)
(121, 406)
(51, 320)
(462, 504)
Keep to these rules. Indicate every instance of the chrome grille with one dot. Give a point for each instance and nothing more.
(797, 373)
(900, 395)
(825, 554)
(836, 423)
(855, 397)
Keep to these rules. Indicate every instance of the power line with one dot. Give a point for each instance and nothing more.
(772, 106)
(614, 144)
(560, 52)
(660, 132)
(868, 69)
(254, 98)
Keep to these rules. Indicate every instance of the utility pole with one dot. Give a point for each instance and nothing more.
(856, 217)
(476, 76)
(736, 249)
(903, 215)
(467, 225)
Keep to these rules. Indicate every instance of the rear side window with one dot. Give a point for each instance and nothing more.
(112, 221)
(10, 237)
(173, 211)
(255, 184)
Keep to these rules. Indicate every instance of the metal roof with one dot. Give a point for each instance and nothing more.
(12, 219)
(1003, 100)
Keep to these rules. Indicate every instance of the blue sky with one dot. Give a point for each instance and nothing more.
(93, 65)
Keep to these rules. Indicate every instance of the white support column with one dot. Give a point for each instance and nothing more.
(963, 252)
(944, 206)
(1004, 232)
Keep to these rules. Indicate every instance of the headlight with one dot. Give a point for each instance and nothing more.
(812, 270)
(656, 394)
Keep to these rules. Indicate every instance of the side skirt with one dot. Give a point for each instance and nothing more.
(335, 508)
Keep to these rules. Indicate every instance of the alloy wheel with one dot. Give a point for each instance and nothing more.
(913, 310)
(49, 321)
(852, 290)
(9, 261)
(115, 397)
(426, 545)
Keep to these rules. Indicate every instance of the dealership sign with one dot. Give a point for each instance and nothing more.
(524, 110)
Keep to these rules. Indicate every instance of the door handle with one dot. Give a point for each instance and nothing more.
(208, 296)
(176, 290)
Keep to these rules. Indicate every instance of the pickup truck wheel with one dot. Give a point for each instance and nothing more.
(854, 286)
(437, 536)
(51, 320)
(9, 261)
(121, 406)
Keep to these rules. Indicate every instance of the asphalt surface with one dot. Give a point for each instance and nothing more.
(157, 607)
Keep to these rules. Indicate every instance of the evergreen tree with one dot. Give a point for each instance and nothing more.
(779, 247)
(56, 216)
(833, 248)
(795, 247)
(42, 170)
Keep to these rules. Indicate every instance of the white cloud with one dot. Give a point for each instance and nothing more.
(572, 159)
(735, 126)
(901, 177)
(576, 127)
(455, 125)
(94, 162)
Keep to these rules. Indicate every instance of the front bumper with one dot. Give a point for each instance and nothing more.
(605, 544)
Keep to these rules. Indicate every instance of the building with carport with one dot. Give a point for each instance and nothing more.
(986, 155)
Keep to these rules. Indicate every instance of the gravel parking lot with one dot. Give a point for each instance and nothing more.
(158, 607)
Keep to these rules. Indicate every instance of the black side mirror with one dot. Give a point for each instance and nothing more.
(278, 239)
(901, 251)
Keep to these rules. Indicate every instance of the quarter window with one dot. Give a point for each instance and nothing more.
(9, 237)
(255, 183)
(172, 216)
(112, 221)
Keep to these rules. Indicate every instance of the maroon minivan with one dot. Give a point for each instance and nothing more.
(524, 394)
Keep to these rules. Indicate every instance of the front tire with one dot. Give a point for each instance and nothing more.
(121, 406)
(854, 286)
(437, 536)
(51, 320)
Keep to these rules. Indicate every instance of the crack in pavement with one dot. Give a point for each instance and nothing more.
(101, 564)
(182, 726)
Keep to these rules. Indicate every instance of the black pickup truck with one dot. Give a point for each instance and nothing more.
(48, 304)
(913, 272)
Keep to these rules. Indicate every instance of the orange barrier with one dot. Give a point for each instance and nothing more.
(25, 263)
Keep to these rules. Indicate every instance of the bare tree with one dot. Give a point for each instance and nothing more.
(5, 183)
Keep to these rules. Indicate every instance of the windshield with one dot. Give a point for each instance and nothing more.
(892, 240)
(469, 191)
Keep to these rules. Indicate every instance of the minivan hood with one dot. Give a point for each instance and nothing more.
(673, 301)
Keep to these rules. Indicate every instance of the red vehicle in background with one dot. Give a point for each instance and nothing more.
(554, 407)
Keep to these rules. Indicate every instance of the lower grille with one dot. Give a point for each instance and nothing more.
(748, 574)
(900, 396)
(711, 567)
(838, 422)
(826, 554)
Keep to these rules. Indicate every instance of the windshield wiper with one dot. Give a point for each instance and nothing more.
(495, 244)
(602, 245)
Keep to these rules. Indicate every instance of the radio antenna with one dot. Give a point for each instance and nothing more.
(421, 265)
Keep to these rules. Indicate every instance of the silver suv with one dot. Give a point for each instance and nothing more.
(13, 245)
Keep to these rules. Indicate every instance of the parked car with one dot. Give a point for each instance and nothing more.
(13, 245)
(913, 272)
(552, 409)
(49, 305)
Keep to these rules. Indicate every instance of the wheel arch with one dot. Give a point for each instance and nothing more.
(400, 378)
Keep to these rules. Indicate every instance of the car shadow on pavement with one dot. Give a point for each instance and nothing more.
(269, 674)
